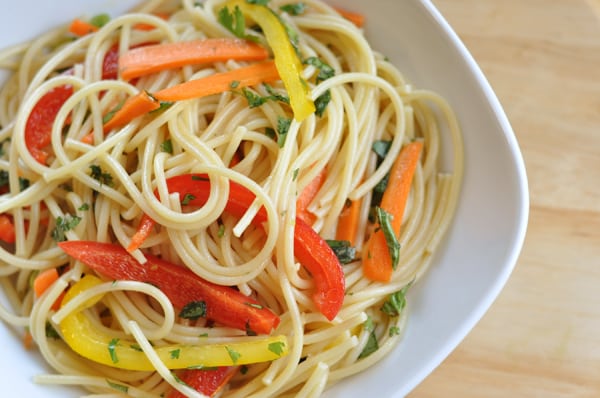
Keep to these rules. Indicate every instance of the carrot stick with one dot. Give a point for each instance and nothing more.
(347, 227)
(377, 261)
(134, 106)
(28, 340)
(307, 195)
(7, 229)
(354, 17)
(254, 74)
(147, 26)
(44, 280)
(155, 58)
(142, 233)
(80, 27)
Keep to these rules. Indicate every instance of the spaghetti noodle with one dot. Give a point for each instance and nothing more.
(195, 235)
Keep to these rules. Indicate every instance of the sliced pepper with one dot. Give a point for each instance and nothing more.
(287, 61)
(206, 381)
(311, 250)
(223, 304)
(38, 129)
(81, 335)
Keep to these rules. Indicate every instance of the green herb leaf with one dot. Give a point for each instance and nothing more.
(258, 2)
(396, 302)
(98, 174)
(24, 183)
(84, 207)
(371, 346)
(385, 221)
(112, 112)
(187, 198)
(343, 249)
(233, 354)
(270, 132)
(283, 126)
(235, 22)
(167, 146)
(63, 225)
(321, 103)
(381, 148)
(294, 8)
(175, 353)
(117, 386)
(112, 345)
(234, 84)
(136, 347)
(193, 310)
(274, 95)
(100, 20)
(277, 348)
(394, 331)
(51, 332)
(325, 71)
(254, 100)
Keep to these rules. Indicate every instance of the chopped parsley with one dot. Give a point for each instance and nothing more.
(233, 354)
(394, 331)
(277, 347)
(385, 221)
(112, 346)
(99, 175)
(274, 95)
(343, 249)
(371, 346)
(325, 71)
(175, 353)
(100, 20)
(254, 100)
(63, 225)
(193, 310)
(187, 198)
(283, 126)
(167, 146)
(321, 103)
(258, 2)
(51, 331)
(235, 22)
(117, 386)
(396, 302)
(84, 207)
(294, 8)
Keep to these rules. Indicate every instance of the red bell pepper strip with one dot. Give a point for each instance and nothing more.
(206, 381)
(38, 129)
(110, 64)
(7, 229)
(224, 304)
(310, 249)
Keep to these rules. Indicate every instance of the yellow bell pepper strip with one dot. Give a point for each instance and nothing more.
(186, 290)
(80, 334)
(287, 61)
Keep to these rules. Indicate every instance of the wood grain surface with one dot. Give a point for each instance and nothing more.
(541, 338)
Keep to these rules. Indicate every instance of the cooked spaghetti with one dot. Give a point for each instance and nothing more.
(216, 197)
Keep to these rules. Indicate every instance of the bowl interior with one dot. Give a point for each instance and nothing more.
(483, 242)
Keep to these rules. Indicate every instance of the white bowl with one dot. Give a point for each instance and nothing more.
(483, 243)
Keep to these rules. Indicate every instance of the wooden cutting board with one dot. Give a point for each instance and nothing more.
(541, 338)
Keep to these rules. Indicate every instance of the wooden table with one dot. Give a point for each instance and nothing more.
(541, 338)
